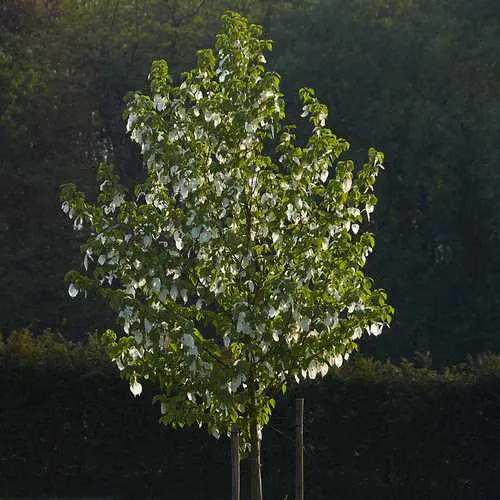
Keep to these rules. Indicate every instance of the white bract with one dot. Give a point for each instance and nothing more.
(72, 290)
(237, 266)
(135, 387)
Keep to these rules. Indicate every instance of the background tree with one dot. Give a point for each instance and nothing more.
(65, 67)
(236, 267)
(419, 79)
(391, 70)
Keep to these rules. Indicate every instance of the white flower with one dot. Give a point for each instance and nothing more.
(205, 236)
(134, 353)
(178, 240)
(135, 387)
(369, 209)
(198, 133)
(173, 135)
(208, 115)
(312, 369)
(156, 285)
(242, 326)
(195, 232)
(346, 185)
(131, 120)
(136, 136)
(338, 360)
(72, 290)
(181, 112)
(357, 333)
(159, 102)
(183, 189)
(304, 323)
(376, 329)
(187, 340)
(331, 320)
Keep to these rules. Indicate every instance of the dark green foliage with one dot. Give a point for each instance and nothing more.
(417, 79)
(22, 350)
(69, 426)
(35, 244)
(65, 68)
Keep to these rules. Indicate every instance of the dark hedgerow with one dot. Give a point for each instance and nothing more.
(69, 426)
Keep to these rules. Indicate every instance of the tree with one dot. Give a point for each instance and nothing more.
(236, 267)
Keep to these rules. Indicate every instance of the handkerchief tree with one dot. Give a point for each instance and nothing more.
(237, 265)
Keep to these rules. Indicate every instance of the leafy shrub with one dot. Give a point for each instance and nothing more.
(50, 350)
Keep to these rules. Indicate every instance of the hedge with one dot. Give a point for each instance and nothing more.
(69, 426)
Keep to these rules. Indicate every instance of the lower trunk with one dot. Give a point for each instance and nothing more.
(255, 466)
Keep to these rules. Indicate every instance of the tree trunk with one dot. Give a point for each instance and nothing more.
(255, 466)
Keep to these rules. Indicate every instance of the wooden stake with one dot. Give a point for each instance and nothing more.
(299, 449)
(235, 463)
(255, 463)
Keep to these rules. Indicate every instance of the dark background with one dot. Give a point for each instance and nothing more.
(418, 79)
(70, 428)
